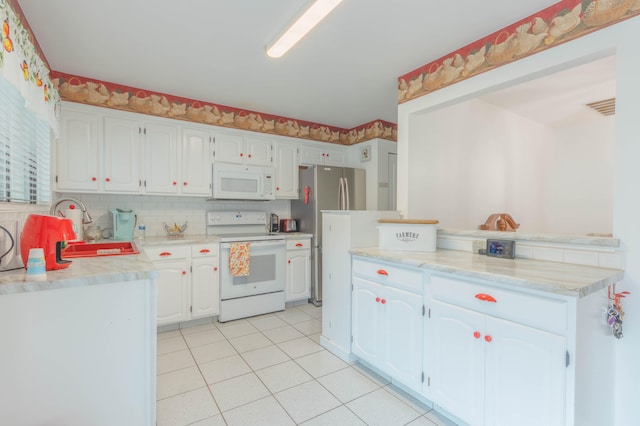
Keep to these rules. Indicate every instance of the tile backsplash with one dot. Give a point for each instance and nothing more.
(154, 211)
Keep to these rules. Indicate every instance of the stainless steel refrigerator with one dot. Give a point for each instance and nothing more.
(325, 188)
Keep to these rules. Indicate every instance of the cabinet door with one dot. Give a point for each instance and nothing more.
(321, 155)
(196, 163)
(366, 325)
(298, 275)
(525, 375)
(121, 155)
(454, 361)
(77, 152)
(228, 149)
(205, 287)
(404, 333)
(161, 159)
(173, 292)
(286, 163)
(259, 151)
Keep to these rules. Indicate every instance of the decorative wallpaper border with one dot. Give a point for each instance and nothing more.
(559, 23)
(110, 95)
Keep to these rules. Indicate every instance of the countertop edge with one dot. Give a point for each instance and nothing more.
(545, 285)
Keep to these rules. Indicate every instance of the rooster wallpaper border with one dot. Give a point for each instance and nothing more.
(561, 22)
(110, 95)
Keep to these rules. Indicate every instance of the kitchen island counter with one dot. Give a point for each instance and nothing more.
(524, 274)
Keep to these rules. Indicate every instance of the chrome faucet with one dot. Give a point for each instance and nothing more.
(86, 217)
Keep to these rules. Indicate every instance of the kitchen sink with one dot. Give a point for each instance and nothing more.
(112, 248)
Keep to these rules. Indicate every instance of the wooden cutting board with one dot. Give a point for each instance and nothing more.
(410, 221)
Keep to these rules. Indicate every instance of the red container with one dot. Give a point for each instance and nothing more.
(50, 233)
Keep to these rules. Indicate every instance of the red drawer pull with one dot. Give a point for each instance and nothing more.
(476, 334)
(184, 272)
(377, 299)
(205, 251)
(485, 297)
(383, 301)
(487, 339)
(299, 245)
(382, 272)
(215, 268)
(165, 253)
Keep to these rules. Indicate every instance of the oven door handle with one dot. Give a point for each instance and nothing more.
(256, 243)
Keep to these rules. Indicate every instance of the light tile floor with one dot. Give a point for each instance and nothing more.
(271, 370)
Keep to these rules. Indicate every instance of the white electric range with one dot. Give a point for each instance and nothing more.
(262, 290)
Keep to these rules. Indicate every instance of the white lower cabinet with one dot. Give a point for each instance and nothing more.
(387, 321)
(488, 370)
(188, 281)
(298, 285)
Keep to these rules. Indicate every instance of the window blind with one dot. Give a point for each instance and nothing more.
(25, 142)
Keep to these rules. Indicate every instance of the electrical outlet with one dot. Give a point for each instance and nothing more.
(479, 244)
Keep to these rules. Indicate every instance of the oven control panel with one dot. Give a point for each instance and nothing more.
(226, 218)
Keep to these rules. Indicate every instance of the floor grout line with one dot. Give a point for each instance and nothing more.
(380, 383)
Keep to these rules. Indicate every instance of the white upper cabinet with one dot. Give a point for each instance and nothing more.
(196, 163)
(237, 149)
(286, 164)
(161, 159)
(322, 155)
(76, 151)
(121, 160)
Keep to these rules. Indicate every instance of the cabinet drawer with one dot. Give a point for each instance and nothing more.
(535, 311)
(167, 252)
(301, 244)
(388, 274)
(204, 250)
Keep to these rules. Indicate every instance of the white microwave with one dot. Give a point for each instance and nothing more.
(236, 182)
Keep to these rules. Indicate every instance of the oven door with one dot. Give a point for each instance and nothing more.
(266, 270)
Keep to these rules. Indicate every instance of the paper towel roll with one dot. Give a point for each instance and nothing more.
(75, 215)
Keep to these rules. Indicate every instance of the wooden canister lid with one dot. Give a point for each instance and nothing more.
(410, 221)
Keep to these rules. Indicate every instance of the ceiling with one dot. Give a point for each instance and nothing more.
(560, 99)
(344, 73)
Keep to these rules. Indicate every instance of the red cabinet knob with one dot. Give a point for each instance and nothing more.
(377, 299)
(215, 268)
(382, 272)
(249, 155)
(383, 301)
(184, 272)
(241, 155)
(205, 251)
(476, 334)
(174, 183)
(288, 261)
(184, 183)
(108, 179)
(327, 155)
(277, 188)
(94, 179)
(487, 339)
(165, 253)
(485, 297)
(299, 245)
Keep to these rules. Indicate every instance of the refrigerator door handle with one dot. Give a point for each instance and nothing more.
(346, 191)
(341, 194)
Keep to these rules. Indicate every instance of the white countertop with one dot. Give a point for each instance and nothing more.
(201, 239)
(525, 274)
(82, 272)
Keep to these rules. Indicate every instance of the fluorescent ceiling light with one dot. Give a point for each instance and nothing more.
(305, 23)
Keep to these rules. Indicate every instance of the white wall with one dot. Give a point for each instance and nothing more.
(473, 159)
(579, 192)
(620, 39)
(376, 169)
